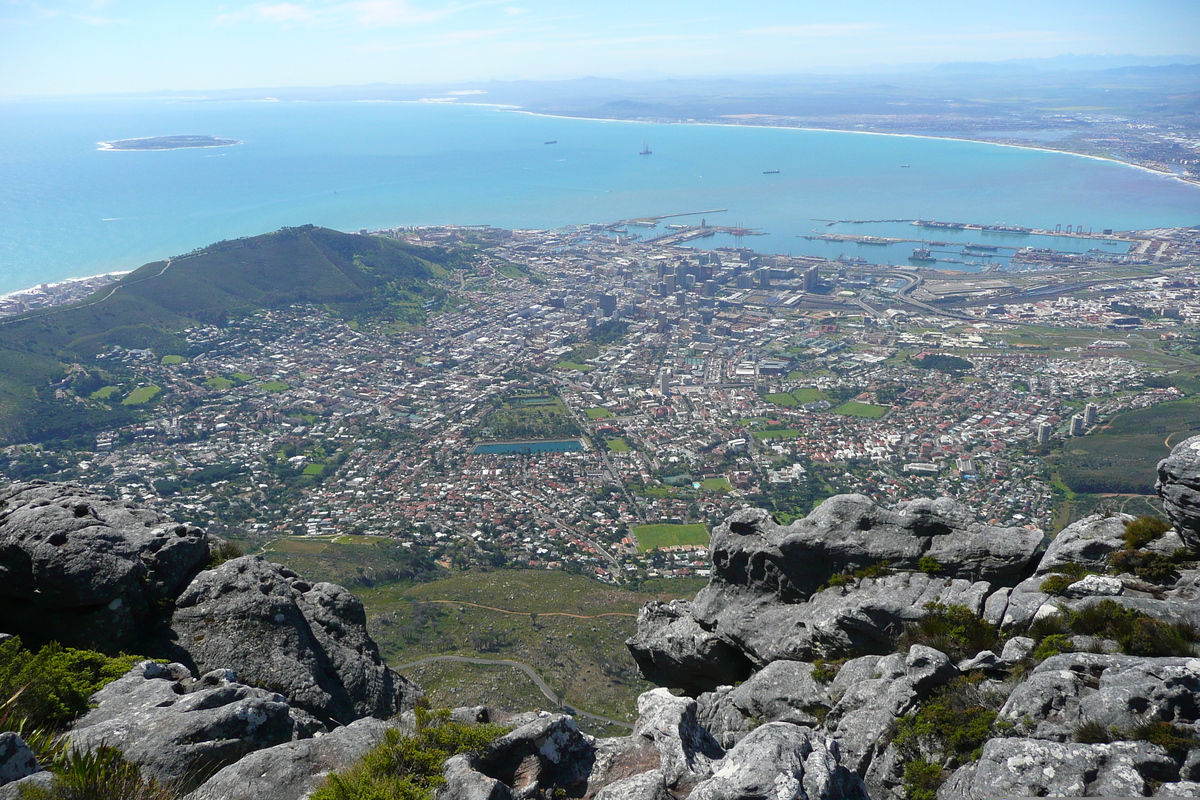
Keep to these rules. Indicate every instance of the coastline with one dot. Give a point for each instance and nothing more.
(64, 282)
(1110, 159)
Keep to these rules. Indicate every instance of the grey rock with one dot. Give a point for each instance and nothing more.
(306, 642)
(779, 761)
(926, 668)
(996, 604)
(16, 759)
(647, 786)
(1095, 586)
(85, 570)
(464, 782)
(686, 750)
(671, 649)
(618, 759)
(183, 737)
(782, 690)
(1179, 487)
(1180, 789)
(983, 660)
(548, 752)
(1017, 649)
(1085, 543)
(16, 789)
(293, 770)
(1024, 602)
(1037, 768)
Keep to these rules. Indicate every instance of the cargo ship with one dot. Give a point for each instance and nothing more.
(646, 151)
(921, 254)
(770, 172)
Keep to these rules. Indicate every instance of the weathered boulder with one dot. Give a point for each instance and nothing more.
(671, 649)
(781, 691)
(16, 759)
(1086, 543)
(86, 570)
(545, 755)
(1038, 768)
(1179, 487)
(848, 532)
(18, 788)
(618, 759)
(686, 750)
(779, 761)
(865, 617)
(464, 782)
(181, 736)
(293, 770)
(646, 786)
(308, 642)
(1111, 690)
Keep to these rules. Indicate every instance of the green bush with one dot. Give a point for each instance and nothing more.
(1172, 738)
(921, 780)
(1053, 645)
(409, 767)
(226, 551)
(825, 671)
(55, 683)
(1144, 530)
(100, 774)
(1138, 634)
(929, 565)
(1150, 567)
(841, 579)
(1057, 584)
(954, 630)
(953, 724)
(879, 570)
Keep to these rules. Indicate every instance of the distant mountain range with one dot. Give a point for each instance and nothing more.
(358, 277)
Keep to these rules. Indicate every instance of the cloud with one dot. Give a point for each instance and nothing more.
(512, 11)
(361, 13)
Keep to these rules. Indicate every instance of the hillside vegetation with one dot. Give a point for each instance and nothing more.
(361, 278)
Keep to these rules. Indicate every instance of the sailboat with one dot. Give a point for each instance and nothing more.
(645, 149)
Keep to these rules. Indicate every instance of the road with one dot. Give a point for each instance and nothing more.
(528, 670)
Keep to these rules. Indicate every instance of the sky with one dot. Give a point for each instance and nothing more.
(63, 47)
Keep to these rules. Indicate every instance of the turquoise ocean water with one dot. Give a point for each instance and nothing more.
(68, 209)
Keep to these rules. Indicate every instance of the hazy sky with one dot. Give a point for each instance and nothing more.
(87, 46)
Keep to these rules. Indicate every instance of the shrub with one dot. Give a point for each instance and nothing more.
(929, 565)
(1172, 738)
(408, 767)
(1053, 645)
(1057, 584)
(953, 724)
(100, 774)
(879, 570)
(841, 579)
(1144, 530)
(954, 630)
(1091, 732)
(1138, 634)
(921, 780)
(226, 551)
(55, 683)
(825, 671)
(1151, 567)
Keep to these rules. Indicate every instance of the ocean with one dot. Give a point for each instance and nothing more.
(68, 209)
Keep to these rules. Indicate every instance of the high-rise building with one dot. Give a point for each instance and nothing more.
(1091, 414)
(608, 304)
(1077, 425)
(1045, 431)
(762, 277)
(664, 383)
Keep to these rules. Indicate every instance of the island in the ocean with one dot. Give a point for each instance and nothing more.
(168, 143)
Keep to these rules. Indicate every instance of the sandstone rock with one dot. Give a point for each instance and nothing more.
(16, 759)
(547, 753)
(1036, 768)
(1024, 602)
(1017, 648)
(779, 761)
(182, 737)
(307, 642)
(618, 759)
(671, 649)
(293, 770)
(1180, 789)
(85, 570)
(1095, 586)
(16, 790)
(781, 691)
(1085, 543)
(464, 782)
(985, 660)
(686, 751)
(646, 786)
(1179, 487)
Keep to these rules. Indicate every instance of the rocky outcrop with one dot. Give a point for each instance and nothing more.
(86, 570)
(673, 650)
(308, 642)
(1179, 487)
(17, 761)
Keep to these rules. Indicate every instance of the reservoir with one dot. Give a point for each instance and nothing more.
(506, 448)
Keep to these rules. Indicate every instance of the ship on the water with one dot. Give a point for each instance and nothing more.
(646, 149)
(770, 172)
(552, 141)
(921, 254)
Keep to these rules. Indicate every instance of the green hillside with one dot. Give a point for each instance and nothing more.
(361, 278)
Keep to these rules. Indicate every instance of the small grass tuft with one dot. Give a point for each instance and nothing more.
(954, 630)
(1144, 530)
(100, 774)
(930, 565)
(1091, 732)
